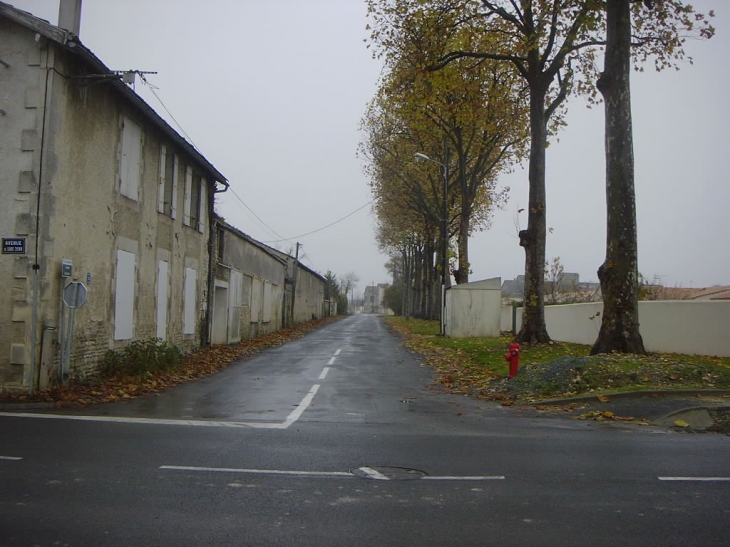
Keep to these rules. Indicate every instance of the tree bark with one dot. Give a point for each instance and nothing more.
(619, 272)
(533, 238)
(461, 274)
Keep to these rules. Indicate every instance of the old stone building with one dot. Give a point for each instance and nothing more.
(102, 201)
(258, 289)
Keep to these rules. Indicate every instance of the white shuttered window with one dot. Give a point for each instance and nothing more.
(124, 297)
(190, 302)
(131, 161)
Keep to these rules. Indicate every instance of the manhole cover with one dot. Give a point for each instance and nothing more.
(388, 473)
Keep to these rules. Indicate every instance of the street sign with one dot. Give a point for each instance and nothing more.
(13, 245)
(74, 294)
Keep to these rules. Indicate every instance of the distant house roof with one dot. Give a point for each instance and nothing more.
(719, 292)
(72, 44)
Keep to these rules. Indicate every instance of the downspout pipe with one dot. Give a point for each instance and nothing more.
(32, 374)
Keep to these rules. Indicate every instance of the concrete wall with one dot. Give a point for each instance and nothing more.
(309, 296)
(473, 309)
(255, 297)
(74, 180)
(667, 326)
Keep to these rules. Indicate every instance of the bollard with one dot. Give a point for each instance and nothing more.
(513, 357)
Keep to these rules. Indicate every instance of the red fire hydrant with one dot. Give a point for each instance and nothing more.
(513, 357)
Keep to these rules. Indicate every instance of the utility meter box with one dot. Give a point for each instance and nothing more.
(67, 267)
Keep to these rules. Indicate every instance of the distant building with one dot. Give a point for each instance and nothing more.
(713, 293)
(568, 288)
(373, 299)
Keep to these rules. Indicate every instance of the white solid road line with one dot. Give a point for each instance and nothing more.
(368, 471)
(292, 418)
(695, 479)
(474, 478)
(373, 474)
(301, 407)
(258, 471)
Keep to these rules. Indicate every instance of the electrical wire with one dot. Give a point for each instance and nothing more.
(282, 238)
(180, 127)
(324, 227)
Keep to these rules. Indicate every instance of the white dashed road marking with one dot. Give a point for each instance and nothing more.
(695, 479)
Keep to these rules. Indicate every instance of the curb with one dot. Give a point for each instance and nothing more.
(27, 406)
(632, 395)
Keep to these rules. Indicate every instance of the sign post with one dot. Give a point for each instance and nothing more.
(74, 296)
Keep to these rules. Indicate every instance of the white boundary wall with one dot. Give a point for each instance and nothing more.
(668, 326)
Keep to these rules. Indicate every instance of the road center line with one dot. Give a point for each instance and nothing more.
(257, 471)
(338, 352)
(332, 361)
(301, 407)
(369, 471)
(474, 478)
(324, 372)
(695, 479)
(10, 458)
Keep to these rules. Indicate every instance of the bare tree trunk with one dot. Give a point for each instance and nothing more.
(418, 284)
(461, 274)
(533, 239)
(619, 272)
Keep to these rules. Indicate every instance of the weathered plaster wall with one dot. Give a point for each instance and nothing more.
(22, 86)
(83, 216)
(309, 297)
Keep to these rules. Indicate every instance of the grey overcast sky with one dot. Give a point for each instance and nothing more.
(272, 94)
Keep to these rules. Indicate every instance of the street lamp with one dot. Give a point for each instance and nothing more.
(444, 236)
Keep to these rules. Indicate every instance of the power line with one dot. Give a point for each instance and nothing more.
(281, 238)
(152, 89)
(324, 227)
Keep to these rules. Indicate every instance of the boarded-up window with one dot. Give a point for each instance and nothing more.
(130, 165)
(257, 299)
(163, 282)
(268, 302)
(235, 288)
(167, 190)
(195, 199)
(124, 296)
(190, 301)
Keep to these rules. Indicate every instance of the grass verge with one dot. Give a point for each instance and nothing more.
(477, 366)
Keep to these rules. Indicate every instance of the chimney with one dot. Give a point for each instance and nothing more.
(69, 15)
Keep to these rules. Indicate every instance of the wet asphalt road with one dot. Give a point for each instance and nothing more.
(341, 438)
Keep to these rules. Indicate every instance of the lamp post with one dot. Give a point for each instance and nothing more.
(444, 237)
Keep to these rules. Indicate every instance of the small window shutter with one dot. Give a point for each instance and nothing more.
(188, 192)
(173, 205)
(161, 182)
(203, 211)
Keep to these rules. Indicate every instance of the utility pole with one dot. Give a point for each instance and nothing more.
(294, 281)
